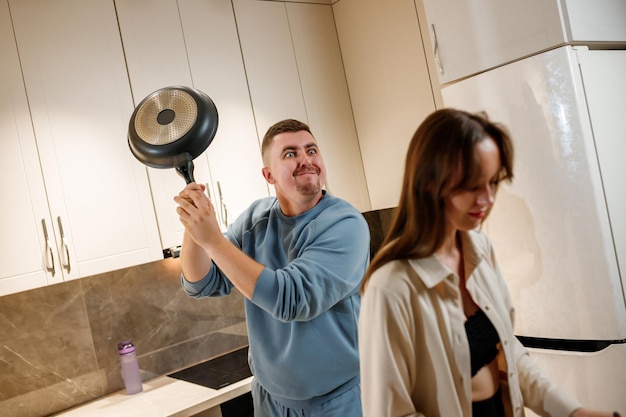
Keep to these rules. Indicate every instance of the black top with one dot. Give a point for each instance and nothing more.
(483, 340)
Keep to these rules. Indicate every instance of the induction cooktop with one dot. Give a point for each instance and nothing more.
(218, 372)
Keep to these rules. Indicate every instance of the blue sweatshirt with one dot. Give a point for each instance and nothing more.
(303, 317)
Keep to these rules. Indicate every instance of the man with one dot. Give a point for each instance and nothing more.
(298, 258)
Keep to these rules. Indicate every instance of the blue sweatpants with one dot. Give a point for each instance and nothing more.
(347, 404)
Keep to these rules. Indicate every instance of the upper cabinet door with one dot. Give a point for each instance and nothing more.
(197, 46)
(270, 62)
(468, 36)
(390, 86)
(24, 213)
(595, 21)
(328, 106)
(80, 104)
(294, 68)
(217, 68)
(157, 59)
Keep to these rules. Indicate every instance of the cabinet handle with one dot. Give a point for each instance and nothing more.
(436, 51)
(66, 248)
(49, 252)
(223, 210)
(208, 191)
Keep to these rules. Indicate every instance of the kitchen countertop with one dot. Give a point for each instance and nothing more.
(161, 396)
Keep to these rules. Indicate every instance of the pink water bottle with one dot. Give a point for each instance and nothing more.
(130, 367)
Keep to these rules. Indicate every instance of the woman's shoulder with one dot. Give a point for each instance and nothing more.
(396, 276)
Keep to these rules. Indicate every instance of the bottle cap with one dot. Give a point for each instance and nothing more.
(125, 347)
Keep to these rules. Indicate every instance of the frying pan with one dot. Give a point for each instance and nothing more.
(171, 127)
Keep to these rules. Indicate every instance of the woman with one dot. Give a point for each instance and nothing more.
(436, 322)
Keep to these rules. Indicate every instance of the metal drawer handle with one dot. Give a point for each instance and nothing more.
(49, 258)
(223, 209)
(436, 51)
(66, 248)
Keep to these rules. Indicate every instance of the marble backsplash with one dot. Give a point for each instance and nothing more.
(58, 343)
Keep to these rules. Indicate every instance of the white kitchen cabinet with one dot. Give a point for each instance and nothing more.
(217, 68)
(25, 211)
(390, 86)
(295, 70)
(468, 37)
(197, 46)
(95, 193)
(270, 62)
(157, 59)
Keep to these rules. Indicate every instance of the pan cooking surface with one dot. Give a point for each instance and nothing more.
(166, 116)
(171, 127)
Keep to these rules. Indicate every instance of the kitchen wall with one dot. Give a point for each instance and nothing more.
(58, 343)
(388, 69)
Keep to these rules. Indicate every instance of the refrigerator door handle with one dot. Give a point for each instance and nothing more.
(572, 345)
(436, 51)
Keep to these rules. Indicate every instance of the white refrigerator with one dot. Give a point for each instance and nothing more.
(559, 230)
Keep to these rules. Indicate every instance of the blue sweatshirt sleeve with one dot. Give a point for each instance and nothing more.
(333, 256)
(214, 284)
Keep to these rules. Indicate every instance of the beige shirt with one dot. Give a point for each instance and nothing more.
(414, 351)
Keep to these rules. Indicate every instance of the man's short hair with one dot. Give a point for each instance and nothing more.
(287, 125)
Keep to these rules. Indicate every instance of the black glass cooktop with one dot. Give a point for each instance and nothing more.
(219, 372)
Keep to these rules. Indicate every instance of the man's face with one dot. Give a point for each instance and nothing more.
(294, 165)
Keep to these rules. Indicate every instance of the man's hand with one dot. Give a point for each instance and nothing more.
(197, 215)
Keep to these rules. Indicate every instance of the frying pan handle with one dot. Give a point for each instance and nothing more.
(184, 166)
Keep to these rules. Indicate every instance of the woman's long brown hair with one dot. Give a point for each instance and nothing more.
(441, 157)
